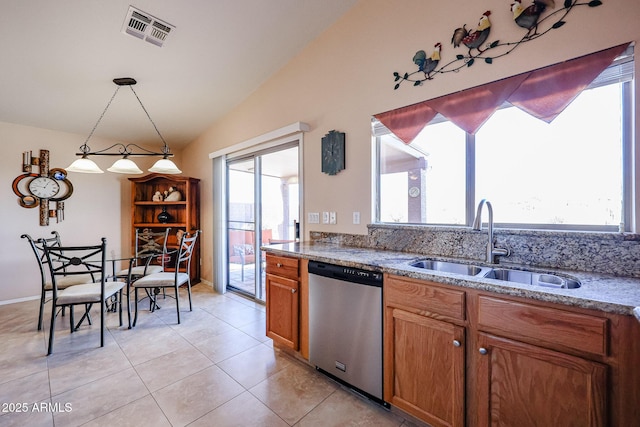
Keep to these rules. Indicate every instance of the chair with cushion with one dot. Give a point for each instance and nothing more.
(241, 247)
(128, 277)
(45, 282)
(148, 242)
(80, 261)
(152, 283)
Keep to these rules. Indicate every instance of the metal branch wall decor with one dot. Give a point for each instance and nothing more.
(475, 40)
(38, 189)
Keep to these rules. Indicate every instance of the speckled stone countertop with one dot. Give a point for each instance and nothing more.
(607, 293)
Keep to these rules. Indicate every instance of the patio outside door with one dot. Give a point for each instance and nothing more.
(262, 208)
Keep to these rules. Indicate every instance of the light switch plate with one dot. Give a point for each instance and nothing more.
(332, 218)
(314, 218)
(356, 217)
(325, 217)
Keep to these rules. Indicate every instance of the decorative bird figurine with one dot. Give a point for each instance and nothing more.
(458, 35)
(474, 38)
(528, 17)
(427, 65)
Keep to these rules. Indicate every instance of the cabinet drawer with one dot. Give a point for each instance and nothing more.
(282, 266)
(517, 320)
(424, 296)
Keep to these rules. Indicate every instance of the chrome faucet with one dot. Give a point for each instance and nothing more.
(492, 252)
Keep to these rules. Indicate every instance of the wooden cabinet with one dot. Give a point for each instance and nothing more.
(549, 381)
(183, 214)
(424, 353)
(525, 385)
(549, 326)
(460, 356)
(283, 300)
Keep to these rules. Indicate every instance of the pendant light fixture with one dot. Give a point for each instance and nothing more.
(124, 165)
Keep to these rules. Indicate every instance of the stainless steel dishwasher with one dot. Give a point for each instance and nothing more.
(345, 326)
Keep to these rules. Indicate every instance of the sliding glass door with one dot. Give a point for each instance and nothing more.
(241, 226)
(262, 208)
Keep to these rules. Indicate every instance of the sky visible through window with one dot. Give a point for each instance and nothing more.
(566, 172)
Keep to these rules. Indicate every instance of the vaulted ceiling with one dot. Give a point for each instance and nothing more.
(58, 60)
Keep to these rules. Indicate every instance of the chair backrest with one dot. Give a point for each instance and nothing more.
(38, 251)
(186, 250)
(150, 242)
(76, 260)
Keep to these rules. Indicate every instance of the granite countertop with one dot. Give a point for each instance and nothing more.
(607, 293)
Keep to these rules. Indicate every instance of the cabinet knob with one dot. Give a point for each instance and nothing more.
(456, 343)
(278, 265)
(483, 350)
(293, 291)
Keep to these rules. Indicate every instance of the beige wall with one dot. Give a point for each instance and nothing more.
(99, 206)
(338, 82)
(345, 76)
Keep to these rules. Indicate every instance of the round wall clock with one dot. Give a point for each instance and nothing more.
(414, 192)
(44, 187)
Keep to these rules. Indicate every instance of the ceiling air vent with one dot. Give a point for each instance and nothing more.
(146, 27)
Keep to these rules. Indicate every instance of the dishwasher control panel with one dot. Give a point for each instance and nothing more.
(356, 275)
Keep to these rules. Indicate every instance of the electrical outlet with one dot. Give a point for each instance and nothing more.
(332, 218)
(314, 218)
(356, 217)
(325, 217)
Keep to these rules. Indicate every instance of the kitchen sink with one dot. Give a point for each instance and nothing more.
(530, 278)
(504, 274)
(449, 267)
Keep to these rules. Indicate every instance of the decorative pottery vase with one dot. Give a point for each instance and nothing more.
(164, 216)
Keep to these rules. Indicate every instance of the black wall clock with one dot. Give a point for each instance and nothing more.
(333, 152)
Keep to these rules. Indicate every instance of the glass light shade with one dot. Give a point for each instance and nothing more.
(165, 166)
(125, 165)
(84, 165)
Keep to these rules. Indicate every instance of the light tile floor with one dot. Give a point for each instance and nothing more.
(217, 368)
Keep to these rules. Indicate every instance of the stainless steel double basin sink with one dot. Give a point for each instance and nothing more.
(504, 274)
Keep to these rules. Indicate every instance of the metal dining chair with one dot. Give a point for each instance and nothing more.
(80, 261)
(152, 283)
(129, 276)
(148, 242)
(45, 281)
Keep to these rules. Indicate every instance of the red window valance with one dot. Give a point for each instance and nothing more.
(543, 93)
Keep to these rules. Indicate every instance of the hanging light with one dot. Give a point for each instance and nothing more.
(124, 165)
(164, 165)
(84, 165)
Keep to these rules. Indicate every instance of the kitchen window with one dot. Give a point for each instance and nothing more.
(573, 173)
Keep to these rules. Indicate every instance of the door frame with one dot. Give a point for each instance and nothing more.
(288, 134)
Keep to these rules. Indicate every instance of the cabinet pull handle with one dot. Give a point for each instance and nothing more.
(278, 265)
(456, 343)
(483, 350)
(293, 291)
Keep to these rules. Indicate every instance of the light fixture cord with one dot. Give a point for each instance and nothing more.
(85, 148)
(165, 149)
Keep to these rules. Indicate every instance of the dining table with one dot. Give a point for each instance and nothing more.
(121, 262)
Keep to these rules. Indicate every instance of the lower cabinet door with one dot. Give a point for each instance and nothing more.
(282, 310)
(524, 385)
(424, 367)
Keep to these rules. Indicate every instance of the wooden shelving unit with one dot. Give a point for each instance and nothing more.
(184, 214)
